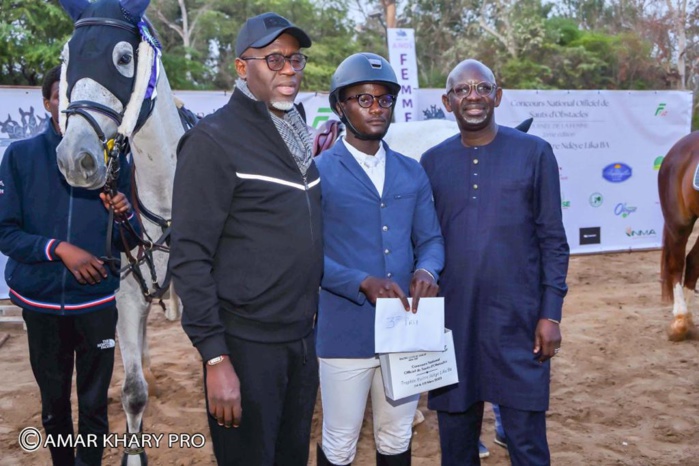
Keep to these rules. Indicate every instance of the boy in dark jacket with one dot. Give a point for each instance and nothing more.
(53, 234)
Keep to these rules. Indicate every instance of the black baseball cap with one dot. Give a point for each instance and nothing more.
(259, 31)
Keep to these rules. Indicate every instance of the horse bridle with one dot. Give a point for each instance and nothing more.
(81, 107)
(112, 148)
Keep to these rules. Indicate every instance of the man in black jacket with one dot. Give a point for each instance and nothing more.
(247, 253)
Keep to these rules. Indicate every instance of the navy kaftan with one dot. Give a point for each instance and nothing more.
(499, 207)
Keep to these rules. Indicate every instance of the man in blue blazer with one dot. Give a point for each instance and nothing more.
(382, 239)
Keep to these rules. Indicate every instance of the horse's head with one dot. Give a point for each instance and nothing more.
(107, 80)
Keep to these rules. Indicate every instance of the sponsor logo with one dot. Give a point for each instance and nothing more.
(617, 172)
(642, 233)
(565, 204)
(660, 111)
(657, 162)
(590, 235)
(106, 344)
(596, 199)
(624, 210)
(324, 114)
(434, 113)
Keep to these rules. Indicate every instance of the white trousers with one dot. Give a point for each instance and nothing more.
(344, 387)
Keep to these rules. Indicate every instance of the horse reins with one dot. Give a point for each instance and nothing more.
(112, 148)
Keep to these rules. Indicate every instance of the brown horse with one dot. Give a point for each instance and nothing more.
(679, 201)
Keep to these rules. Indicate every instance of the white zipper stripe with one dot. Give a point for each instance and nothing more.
(247, 176)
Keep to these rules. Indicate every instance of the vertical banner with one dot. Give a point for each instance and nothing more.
(401, 52)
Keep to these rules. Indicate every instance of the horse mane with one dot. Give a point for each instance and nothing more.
(146, 55)
(63, 101)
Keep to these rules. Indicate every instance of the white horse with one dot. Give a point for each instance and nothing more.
(414, 138)
(108, 65)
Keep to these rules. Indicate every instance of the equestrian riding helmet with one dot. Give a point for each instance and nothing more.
(362, 68)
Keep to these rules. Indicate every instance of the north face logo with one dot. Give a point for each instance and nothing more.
(106, 344)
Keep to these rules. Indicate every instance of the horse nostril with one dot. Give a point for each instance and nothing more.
(87, 163)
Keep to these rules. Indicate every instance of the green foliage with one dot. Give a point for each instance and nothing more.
(570, 44)
(211, 60)
(333, 39)
(524, 74)
(32, 35)
(178, 66)
(562, 31)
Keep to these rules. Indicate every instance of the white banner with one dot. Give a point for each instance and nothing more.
(401, 53)
(26, 117)
(609, 146)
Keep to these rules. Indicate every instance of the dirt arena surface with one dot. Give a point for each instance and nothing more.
(622, 394)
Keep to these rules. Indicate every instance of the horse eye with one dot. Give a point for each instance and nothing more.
(125, 59)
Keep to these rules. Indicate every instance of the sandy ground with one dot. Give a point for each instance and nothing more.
(622, 394)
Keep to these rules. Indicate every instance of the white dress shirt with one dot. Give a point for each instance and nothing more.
(373, 165)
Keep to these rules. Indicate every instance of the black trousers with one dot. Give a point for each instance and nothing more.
(525, 432)
(278, 387)
(56, 343)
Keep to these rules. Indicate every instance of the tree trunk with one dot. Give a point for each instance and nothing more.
(389, 7)
(186, 36)
(679, 20)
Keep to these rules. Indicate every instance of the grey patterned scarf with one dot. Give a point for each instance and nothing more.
(292, 129)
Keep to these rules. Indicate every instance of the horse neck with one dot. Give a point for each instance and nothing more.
(154, 151)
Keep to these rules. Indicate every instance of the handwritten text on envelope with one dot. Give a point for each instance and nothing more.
(398, 331)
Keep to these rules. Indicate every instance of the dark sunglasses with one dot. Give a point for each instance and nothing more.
(482, 89)
(367, 100)
(276, 61)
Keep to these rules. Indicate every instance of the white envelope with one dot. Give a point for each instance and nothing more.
(398, 331)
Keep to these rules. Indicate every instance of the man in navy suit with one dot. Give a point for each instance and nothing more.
(498, 199)
(382, 239)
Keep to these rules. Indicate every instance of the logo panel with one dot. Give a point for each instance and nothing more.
(617, 172)
(596, 199)
(624, 210)
(590, 235)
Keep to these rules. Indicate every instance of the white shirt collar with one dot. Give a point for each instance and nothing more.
(373, 165)
(367, 160)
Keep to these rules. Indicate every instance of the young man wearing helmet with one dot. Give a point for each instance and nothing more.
(382, 239)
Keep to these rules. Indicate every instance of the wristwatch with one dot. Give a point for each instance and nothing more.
(216, 360)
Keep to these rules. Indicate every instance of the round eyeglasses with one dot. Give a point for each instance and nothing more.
(276, 61)
(482, 88)
(367, 100)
